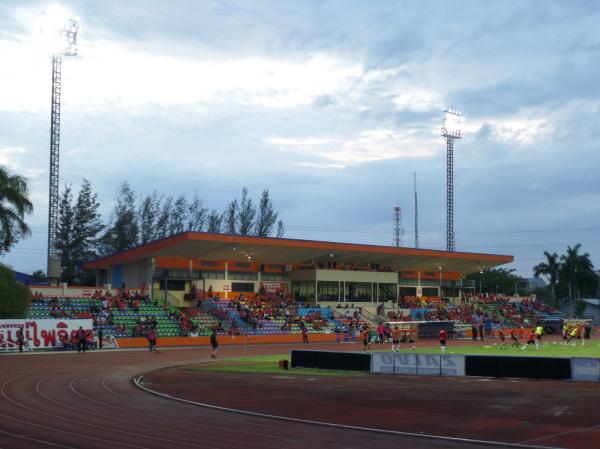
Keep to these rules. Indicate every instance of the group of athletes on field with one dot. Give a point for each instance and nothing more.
(571, 334)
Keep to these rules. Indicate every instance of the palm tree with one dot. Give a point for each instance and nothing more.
(577, 270)
(14, 204)
(550, 268)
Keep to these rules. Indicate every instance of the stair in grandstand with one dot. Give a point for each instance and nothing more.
(225, 313)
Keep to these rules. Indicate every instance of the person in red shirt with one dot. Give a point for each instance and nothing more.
(502, 339)
(443, 340)
(530, 339)
(380, 333)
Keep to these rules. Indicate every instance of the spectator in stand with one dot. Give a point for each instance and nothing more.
(64, 341)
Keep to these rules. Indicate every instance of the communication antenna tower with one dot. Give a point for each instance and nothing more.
(398, 230)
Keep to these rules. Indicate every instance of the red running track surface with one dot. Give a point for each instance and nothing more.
(70, 400)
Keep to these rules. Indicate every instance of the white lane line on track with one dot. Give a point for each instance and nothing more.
(138, 382)
(54, 429)
(166, 429)
(35, 440)
(194, 423)
(103, 427)
(560, 434)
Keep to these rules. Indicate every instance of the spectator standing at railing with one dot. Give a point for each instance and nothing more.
(152, 336)
(20, 338)
(338, 332)
(395, 338)
(81, 340)
(380, 333)
(304, 330)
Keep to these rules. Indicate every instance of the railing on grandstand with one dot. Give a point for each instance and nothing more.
(171, 299)
(371, 317)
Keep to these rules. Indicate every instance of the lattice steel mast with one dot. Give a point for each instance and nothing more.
(451, 130)
(68, 35)
(398, 231)
(416, 213)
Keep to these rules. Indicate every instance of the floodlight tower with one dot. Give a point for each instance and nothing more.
(66, 45)
(416, 213)
(451, 130)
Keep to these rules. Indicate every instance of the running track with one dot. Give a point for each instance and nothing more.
(70, 400)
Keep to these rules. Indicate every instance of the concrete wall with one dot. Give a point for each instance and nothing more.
(344, 276)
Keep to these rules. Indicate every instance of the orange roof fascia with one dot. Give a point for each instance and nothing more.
(315, 244)
(153, 247)
(136, 253)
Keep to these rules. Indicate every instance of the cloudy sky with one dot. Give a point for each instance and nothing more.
(332, 105)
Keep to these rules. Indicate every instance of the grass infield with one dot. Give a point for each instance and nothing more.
(269, 364)
(266, 364)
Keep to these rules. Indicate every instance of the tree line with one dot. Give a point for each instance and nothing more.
(136, 220)
(570, 275)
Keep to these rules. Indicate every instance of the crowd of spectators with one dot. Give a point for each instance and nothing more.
(498, 309)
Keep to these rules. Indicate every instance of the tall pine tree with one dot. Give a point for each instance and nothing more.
(245, 214)
(265, 221)
(87, 225)
(65, 240)
(196, 214)
(148, 214)
(214, 222)
(122, 232)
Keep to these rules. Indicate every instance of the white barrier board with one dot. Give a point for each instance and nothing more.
(584, 369)
(426, 364)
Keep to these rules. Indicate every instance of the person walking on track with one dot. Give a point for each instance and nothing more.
(214, 343)
(152, 336)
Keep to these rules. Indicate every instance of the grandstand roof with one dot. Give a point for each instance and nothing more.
(208, 246)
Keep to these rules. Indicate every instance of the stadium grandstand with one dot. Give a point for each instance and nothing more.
(193, 283)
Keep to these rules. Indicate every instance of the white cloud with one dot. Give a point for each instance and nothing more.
(524, 131)
(8, 156)
(109, 74)
(367, 146)
(419, 100)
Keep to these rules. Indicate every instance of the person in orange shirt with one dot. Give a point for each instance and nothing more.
(364, 336)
